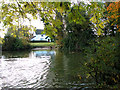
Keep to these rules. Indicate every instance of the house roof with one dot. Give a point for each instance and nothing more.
(39, 31)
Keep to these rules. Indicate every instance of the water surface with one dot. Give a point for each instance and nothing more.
(43, 69)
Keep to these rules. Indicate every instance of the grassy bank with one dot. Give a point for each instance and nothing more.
(42, 44)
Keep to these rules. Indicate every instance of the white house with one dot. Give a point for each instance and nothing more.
(38, 36)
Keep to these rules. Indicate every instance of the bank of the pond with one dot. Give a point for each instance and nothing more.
(35, 46)
(43, 45)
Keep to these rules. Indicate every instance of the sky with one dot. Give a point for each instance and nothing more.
(35, 22)
(38, 24)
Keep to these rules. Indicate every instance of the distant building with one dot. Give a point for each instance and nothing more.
(38, 36)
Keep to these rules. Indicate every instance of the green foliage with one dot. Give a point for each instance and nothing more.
(77, 38)
(19, 32)
(14, 43)
(53, 16)
(76, 13)
(79, 34)
(0, 40)
(96, 11)
(104, 63)
(13, 14)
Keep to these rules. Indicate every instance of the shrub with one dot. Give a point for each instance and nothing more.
(104, 62)
(77, 41)
(14, 43)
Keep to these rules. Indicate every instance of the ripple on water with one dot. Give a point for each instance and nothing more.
(23, 72)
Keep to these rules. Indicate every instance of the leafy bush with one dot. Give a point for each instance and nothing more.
(79, 33)
(77, 40)
(14, 43)
(104, 62)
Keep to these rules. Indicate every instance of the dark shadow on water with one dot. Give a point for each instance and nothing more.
(16, 54)
(68, 70)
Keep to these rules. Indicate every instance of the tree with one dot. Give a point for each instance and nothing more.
(114, 13)
(13, 14)
(79, 33)
(53, 17)
(96, 11)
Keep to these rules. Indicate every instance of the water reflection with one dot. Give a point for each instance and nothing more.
(44, 54)
(43, 69)
(15, 54)
(68, 70)
(24, 69)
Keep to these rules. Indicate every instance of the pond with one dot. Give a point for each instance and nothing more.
(44, 69)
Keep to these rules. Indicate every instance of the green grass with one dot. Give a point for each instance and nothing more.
(42, 44)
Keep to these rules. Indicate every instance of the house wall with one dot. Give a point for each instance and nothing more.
(40, 37)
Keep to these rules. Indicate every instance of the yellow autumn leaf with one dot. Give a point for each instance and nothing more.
(99, 31)
(79, 77)
(88, 75)
(11, 33)
(114, 79)
(14, 35)
(101, 25)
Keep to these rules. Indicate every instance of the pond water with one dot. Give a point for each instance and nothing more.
(43, 69)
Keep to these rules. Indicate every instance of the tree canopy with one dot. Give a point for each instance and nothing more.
(53, 15)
